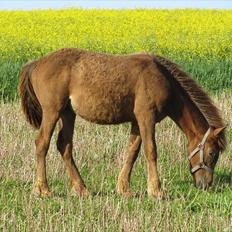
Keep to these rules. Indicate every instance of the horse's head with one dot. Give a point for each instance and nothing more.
(204, 154)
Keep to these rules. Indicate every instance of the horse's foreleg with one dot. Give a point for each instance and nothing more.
(146, 121)
(42, 144)
(123, 185)
(64, 145)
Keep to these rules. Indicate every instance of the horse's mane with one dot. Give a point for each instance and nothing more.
(197, 95)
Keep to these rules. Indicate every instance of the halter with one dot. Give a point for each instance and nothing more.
(200, 148)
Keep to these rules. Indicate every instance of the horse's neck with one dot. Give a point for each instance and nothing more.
(188, 117)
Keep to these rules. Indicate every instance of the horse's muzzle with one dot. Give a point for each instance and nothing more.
(203, 184)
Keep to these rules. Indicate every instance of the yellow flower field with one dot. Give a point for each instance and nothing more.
(203, 33)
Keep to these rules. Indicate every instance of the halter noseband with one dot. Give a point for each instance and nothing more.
(200, 148)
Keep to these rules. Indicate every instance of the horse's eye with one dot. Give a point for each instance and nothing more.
(212, 154)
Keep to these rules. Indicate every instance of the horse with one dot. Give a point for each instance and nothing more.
(141, 89)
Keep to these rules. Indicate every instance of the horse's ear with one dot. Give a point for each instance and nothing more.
(218, 131)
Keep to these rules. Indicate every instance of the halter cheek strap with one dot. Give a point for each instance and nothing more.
(200, 149)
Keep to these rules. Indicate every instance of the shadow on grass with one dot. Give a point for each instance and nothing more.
(222, 180)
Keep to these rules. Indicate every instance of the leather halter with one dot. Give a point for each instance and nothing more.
(200, 149)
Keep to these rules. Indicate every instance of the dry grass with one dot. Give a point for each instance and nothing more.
(99, 152)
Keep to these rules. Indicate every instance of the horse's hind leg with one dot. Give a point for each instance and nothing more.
(132, 154)
(42, 144)
(64, 145)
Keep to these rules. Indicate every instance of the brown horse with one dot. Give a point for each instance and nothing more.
(140, 88)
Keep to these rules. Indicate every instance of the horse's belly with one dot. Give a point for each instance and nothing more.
(100, 109)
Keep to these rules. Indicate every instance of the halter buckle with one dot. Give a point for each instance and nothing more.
(201, 165)
(201, 146)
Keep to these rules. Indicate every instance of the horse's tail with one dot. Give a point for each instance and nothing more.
(29, 102)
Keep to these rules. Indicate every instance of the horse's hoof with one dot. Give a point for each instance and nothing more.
(126, 194)
(80, 192)
(39, 191)
(156, 195)
(123, 189)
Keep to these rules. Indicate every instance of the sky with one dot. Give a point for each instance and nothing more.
(114, 4)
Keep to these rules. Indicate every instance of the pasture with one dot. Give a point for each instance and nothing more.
(204, 52)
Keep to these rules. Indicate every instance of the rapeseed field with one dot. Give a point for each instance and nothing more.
(203, 33)
(199, 40)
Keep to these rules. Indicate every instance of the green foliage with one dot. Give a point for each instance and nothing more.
(9, 80)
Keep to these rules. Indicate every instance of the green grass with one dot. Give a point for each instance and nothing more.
(213, 75)
(9, 80)
(99, 152)
(187, 211)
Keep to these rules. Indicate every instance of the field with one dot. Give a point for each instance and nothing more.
(199, 40)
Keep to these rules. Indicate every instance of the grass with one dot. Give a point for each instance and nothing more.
(99, 152)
